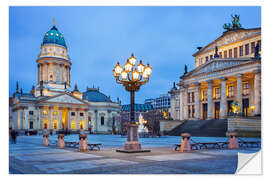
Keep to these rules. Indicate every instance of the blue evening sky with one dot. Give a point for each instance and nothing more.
(98, 37)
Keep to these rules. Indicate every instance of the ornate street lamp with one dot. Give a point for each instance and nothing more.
(132, 78)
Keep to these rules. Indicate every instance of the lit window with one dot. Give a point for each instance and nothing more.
(81, 125)
(55, 113)
(73, 125)
(55, 124)
(56, 34)
(230, 53)
(252, 47)
(230, 91)
(45, 112)
(241, 51)
(45, 125)
(217, 93)
(46, 34)
(51, 34)
(235, 52)
(225, 54)
(245, 88)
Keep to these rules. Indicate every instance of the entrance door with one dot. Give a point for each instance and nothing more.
(217, 110)
(229, 109)
(65, 118)
(205, 111)
(245, 103)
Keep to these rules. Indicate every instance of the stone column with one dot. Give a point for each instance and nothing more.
(257, 89)
(60, 118)
(47, 72)
(96, 121)
(61, 73)
(239, 91)
(68, 119)
(197, 101)
(223, 101)
(209, 100)
(185, 102)
(38, 73)
(41, 72)
(181, 105)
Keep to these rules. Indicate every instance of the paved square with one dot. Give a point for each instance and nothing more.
(171, 157)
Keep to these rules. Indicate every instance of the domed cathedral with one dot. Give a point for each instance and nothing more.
(52, 105)
(53, 63)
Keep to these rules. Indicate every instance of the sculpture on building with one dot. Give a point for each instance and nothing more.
(257, 49)
(234, 25)
(185, 69)
(216, 53)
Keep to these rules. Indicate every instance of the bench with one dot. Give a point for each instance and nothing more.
(93, 146)
(249, 143)
(71, 144)
(194, 145)
(212, 144)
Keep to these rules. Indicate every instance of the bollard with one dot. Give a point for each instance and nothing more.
(61, 141)
(233, 140)
(185, 143)
(46, 140)
(83, 143)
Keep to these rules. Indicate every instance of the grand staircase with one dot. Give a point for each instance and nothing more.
(204, 128)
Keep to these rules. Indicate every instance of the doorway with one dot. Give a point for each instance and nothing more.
(229, 109)
(205, 111)
(245, 103)
(217, 110)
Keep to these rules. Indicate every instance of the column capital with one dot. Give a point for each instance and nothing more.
(223, 78)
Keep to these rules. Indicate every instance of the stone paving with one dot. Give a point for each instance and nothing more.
(28, 156)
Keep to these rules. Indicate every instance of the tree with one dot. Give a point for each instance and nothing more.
(153, 121)
(115, 123)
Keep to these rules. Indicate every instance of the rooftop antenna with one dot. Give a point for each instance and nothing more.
(54, 22)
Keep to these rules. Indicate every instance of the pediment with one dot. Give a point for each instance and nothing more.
(215, 65)
(231, 37)
(64, 98)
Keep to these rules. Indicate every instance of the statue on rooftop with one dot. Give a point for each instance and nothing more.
(185, 69)
(256, 53)
(234, 25)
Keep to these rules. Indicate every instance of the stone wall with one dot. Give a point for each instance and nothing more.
(245, 126)
(168, 125)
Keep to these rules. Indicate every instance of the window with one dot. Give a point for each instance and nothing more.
(102, 120)
(193, 111)
(193, 97)
(55, 113)
(252, 47)
(211, 56)
(220, 54)
(217, 93)
(230, 91)
(51, 77)
(31, 112)
(206, 58)
(230, 53)
(31, 125)
(81, 125)
(189, 111)
(72, 113)
(246, 49)
(73, 125)
(81, 114)
(235, 52)
(241, 51)
(245, 88)
(45, 125)
(225, 54)
(45, 112)
(55, 124)
(260, 45)
(204, 95)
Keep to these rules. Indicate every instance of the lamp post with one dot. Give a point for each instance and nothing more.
(132, 78)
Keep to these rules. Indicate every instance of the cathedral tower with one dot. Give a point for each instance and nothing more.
(53, 62)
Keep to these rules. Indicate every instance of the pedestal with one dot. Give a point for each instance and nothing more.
(185, 143)
(46, 140)
(61, 141)
(83, 143)
(132, 145)
(233, 140)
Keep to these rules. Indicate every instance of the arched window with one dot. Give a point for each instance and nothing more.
(51, 77)
(102, 120)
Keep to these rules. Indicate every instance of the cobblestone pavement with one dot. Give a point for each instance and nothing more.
(30, 157)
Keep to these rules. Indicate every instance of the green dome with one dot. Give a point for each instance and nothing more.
(53, 36)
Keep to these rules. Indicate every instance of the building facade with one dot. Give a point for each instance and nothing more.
(226, 79)
(52, 104)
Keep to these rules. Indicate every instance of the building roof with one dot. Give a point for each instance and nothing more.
(53, 36)
(138, 107)
(93, 95)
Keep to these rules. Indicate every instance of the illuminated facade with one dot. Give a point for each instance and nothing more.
(52, 104)
(227, 71)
